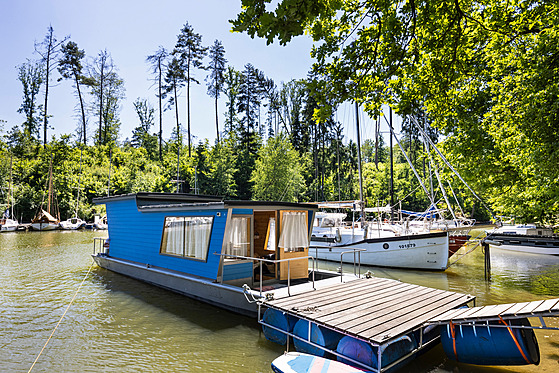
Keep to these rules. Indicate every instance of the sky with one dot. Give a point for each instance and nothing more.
(130, 31)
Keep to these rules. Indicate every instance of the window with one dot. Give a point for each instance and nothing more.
(271, 235)
(294, 231)
(187, 236)
(237, 241)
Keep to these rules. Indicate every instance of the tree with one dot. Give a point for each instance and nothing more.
(484, 72)
(157, 61)
(277, 175)
(107, 89)
(190, 53)
(174, 81)
(141, 136)
(231, 84)
(70, 67)
(31, 75)
(216, 78)
(48, 50)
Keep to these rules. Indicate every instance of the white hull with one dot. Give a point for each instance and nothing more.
(69, 225)
(9, 226)
(429, 251)
(533, 244)
(44, 226)
(530, 249)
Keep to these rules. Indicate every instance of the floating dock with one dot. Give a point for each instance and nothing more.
(382, 318)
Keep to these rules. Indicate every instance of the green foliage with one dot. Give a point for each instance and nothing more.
(484, 73)
(277, 174)
(31, 76)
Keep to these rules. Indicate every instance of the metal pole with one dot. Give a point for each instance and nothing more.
(359, 165)
(391, 171)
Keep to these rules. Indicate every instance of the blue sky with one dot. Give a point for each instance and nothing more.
(130, 31)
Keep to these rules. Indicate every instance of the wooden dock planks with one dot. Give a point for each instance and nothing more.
(492, 312)
(374, 309)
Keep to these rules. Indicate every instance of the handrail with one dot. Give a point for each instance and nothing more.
(101, 245)
(288, 260)
(356, 250)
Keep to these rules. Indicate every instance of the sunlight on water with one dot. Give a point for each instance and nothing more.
(119, 324)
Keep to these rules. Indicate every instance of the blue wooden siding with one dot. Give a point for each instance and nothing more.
(242, 212)
(137, 236)
(237, 270)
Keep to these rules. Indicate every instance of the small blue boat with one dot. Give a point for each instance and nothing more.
(296, 362)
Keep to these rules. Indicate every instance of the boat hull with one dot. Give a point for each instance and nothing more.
(9, 225)
(222, 295)
(44, 226)
(295, 362)
(527, 243)
(419, 251)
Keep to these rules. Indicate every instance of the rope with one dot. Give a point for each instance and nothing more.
(453, 334)
(59, 321)
(515, 340)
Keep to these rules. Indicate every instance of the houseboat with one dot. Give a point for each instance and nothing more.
(226, 253)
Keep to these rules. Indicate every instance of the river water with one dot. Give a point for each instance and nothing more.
(117, 324)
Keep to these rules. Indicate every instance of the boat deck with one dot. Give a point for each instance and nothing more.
(375, 310)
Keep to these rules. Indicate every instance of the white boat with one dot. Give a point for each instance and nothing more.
(44, 222)
(528, 238)
(8, 225)
(377, 244)
(100, 223)
(75, 222)
(72, 224)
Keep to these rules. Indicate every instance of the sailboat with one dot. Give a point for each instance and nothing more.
(374, 244)
(44, 219)
(6, 223)
(75, 222)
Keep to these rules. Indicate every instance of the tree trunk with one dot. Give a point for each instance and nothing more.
(216, 119)
(84, 134)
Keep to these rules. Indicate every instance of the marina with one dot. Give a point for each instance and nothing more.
(140, 326)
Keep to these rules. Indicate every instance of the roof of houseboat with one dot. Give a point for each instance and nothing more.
(150, 201)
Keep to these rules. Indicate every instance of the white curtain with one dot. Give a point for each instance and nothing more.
(237, 240)
(294, 231)
(187, 236)
(174, 230)
(197, 238)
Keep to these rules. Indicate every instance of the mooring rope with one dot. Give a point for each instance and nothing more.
(62, 317)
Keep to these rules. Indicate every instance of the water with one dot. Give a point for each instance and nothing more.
(116, 324)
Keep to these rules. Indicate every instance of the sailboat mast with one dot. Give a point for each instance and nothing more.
(10, 191)
(50, 187)
(361, 202)
(391, 170)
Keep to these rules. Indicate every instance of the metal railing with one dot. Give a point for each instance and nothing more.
(273, 261)
(100, 248)
(356, 263)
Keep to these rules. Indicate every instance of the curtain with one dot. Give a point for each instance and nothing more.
(294, 231)
(174, 234)
(187, 236)
(237, 239)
